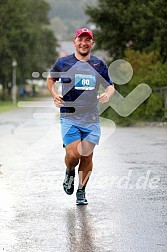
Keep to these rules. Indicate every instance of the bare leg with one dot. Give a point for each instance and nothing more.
(86, 164)
(72, 156)
(83, 152)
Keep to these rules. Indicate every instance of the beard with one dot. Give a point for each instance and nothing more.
(84, 54)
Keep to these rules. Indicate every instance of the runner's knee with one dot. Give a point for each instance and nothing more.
(72, 156)
(87, 159)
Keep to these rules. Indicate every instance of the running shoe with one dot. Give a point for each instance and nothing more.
(68, 184)
(81, 200)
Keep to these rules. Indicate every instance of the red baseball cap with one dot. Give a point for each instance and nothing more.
(79, 32)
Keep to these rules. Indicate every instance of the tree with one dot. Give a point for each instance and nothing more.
(160, 11)
(24, 37)
(138, 24)
(137, 31)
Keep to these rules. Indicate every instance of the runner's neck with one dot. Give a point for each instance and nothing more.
(82, 58)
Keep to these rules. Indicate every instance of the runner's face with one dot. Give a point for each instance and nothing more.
(83, 44)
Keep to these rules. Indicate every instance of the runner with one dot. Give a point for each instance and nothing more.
(81, 74)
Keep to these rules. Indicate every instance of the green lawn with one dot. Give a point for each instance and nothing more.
(7, 105)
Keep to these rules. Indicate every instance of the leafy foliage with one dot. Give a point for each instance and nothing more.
(140, 25)
(24, 37)
(136, 31)
(154, 109)
(146, 69)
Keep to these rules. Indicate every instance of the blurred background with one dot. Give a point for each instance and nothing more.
(34, 33)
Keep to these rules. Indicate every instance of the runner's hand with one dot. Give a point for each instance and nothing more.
(103, 98)
(58, 101)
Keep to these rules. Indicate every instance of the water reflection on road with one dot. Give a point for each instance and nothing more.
(80, 230)
(35, 213)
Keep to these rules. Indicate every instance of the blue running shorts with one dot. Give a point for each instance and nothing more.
(72, 131)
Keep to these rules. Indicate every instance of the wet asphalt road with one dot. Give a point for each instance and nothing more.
(127, 190)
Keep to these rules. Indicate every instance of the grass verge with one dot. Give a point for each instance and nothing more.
(8, 105)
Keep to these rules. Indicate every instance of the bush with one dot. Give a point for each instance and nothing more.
(155, 107)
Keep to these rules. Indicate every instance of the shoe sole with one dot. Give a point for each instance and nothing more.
(81, 203)
(69, 193)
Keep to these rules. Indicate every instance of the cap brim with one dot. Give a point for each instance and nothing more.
(87, 33)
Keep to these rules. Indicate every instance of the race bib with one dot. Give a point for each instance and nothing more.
(85, 81)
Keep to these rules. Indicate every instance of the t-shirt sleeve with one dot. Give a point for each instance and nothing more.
(105, 74)
(55, 70)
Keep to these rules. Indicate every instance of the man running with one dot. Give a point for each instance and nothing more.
(81, 74)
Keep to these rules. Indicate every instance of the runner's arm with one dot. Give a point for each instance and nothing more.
(57, 97)
(104, 97)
